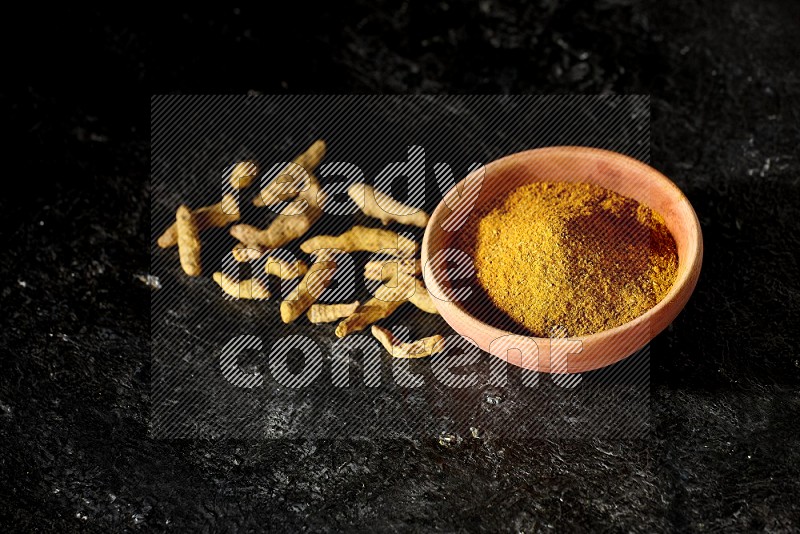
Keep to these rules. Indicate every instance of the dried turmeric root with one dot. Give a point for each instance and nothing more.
(389, 270)
(188, 241)
(309, 289)
(386, 300)
(381, 206)
(371, 312)
(285, 270)
(284, 186)
(218, 215)
(286, 227)
(383, 270)
(253, 289)
(418, 349)
(413, 290)
(361, 238)
(242, 253)
(327, 313)
(243, 174)
(421, 298)
(274, 266)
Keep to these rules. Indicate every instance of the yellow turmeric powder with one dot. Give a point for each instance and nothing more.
(570, 255)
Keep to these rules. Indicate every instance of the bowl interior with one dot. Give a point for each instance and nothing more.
(613, 171)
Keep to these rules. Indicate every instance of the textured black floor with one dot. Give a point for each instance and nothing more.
(74, 380)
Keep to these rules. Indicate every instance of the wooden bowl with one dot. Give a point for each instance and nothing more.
(626, 176)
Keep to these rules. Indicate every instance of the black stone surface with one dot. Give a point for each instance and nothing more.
(74, 337)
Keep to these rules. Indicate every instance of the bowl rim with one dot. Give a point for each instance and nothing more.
(685, 283)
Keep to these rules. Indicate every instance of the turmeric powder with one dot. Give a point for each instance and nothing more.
(571, 255)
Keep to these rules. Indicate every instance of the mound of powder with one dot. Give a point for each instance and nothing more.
(574, 256)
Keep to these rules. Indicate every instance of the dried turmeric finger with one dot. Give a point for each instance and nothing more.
(287, 226)
(371, 312)
(284, 186)
(188, 241)
(392, 270)
(417, 349)
(273, 265)
(382, 206)
(386, 300)
(243, 253)
(309, 289)
(383, 270)
(421, 298)
(407, 288)
(246, 289)
(283, 269)
(243, 174)
(217, 215)
(361, 238)
(327, 313)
